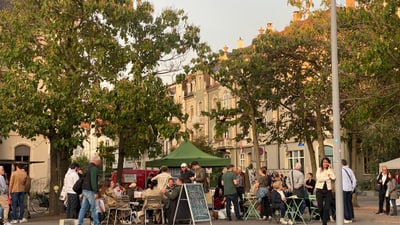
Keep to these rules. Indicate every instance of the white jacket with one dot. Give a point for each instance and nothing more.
(69, 180)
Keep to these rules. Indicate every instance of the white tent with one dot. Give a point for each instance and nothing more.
(391, 164)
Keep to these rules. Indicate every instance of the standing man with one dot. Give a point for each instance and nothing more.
(72, 197)
(382, 180)
(4, 196)
(199, 174)
(89, 190)
(17, 192)
(296, 184)
(27, 190)
(349, 184)
(230, 182)
(186, 174)
(241, 187)
(162, 178)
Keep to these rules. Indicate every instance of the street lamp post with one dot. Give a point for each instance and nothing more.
(336, 118)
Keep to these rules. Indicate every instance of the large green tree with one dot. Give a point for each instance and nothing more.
(55, 54)
(51, 54)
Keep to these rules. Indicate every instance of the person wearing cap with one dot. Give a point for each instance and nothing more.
(72, 197)
(186, 174)
(131, 191)
(162, 177)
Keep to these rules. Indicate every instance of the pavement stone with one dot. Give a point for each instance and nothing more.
(364, 214)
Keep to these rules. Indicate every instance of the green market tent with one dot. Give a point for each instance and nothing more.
(186, 153)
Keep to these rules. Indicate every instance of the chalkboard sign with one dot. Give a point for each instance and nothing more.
(192, 204)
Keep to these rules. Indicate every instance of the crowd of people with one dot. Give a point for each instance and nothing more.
(101, 196)
(272, 190)
(14, 193)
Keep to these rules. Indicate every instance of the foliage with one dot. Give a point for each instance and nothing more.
(83, 161)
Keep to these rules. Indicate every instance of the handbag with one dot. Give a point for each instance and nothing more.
(78, 185)
(63, 194)
(377, 187)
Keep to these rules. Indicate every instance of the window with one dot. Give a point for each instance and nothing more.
(242, 160)
(22, 153)
(200, 108)
(328, 153)
(295, 157)
(226, 101)
(227, 134)
(191, 113)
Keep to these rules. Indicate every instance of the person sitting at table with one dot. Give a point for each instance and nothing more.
(107, 191)
(278, 199)
(151, 191)
(172, 194)
(219, 210)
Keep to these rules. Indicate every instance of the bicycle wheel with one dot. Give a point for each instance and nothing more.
(37, 206)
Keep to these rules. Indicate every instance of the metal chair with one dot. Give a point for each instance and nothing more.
(123, 206)
(153, 203)
(313, 206)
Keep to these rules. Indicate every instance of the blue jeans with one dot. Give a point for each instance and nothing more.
(88, 199)
(394, 206)
(17, 199)
(234, 199)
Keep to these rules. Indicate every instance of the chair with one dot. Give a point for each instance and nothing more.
(313, 207)
(124, 209)
(153, 202)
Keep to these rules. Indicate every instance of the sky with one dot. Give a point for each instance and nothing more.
(223, 22)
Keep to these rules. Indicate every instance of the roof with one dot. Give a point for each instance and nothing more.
(186, 153)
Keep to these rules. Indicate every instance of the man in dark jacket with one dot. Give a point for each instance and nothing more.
(89, 190)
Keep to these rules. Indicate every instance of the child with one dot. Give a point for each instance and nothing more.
(277, 201)
(100, 206)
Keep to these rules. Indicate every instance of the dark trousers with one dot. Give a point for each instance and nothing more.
(383, 199)
(72, 206)
(265, 207)
(324, 199)
(240, 192)
(229, 200)
(348, 205)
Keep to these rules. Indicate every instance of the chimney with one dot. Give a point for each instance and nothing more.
(350, 3)
(270, 27)
(296, 16)
(240, 43)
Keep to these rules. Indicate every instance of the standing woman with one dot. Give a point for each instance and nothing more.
(392, 193)
(261, 188)
(323, 186)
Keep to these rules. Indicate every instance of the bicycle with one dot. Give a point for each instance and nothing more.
(38, 203)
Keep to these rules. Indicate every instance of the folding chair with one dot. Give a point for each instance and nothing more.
(124, 209)
(313, 207)
(153, 203)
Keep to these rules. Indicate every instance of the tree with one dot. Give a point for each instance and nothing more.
(52, 52)
(137, 108)
(370, 81)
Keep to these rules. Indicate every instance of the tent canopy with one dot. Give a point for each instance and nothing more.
(186, 153)
(391, 164)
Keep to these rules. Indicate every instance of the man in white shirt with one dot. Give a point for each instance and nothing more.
(349, 183)
(72, 197)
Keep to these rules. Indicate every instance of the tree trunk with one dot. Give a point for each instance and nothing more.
(353, 160)
(55, 158)
(311, 151)
(256, 156)
(121, 157)
(320, 135)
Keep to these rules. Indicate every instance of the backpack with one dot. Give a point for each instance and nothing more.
(78, 185)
